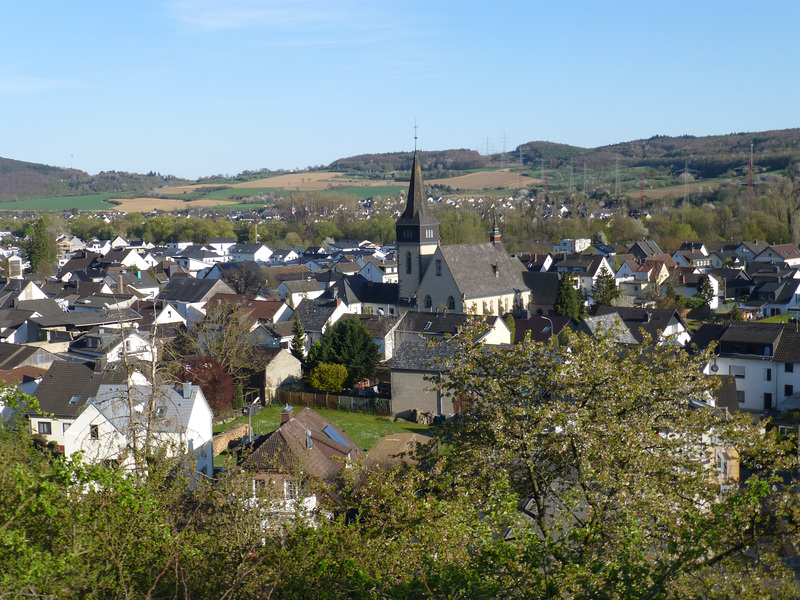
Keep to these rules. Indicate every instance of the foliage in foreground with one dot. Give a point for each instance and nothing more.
(595, 443)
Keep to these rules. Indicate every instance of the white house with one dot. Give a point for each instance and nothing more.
(106, 429)
(249, 252)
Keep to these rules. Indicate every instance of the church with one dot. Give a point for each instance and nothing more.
(479, 278)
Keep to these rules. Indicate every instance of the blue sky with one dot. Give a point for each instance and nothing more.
(200, 87)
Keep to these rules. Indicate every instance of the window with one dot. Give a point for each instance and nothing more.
(438, 267)
(429, 234)
(451, 303)
(94, 432)
(767, 401)
(769, 374)
(788, 390)
(161, 411)
(736, 371)
(74, 399)
(788, 368)
(292, 488)
(740, 395)
(428, 302)
(45, 427)
(408, 263)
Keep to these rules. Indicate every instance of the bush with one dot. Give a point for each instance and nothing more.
(328, 377)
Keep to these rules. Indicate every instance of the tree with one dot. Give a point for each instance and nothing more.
(569, 301)
(245, 278)
(603, 451)
(704, 290)
(41, 248)
(223, 335)
(210, 375)
(298, 339)
(605, 291)
(348, 343)
(328, 377)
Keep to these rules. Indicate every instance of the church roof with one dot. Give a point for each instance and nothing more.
(482, 270)
(415, 211)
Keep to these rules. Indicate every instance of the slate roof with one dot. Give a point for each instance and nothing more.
(356, 288)
(245, 248)
(427, 323)
(484, 270)
(79, 262)
(608, 323)
(725, 395)
(64, 380)
(378, 325)
(314, 313)
(540, 327)
(288, 446)
(88, 318)
(422, 354)
(543, 286)
(644, 248)
(45, 306)
(300, 286)
(191, 290)
(650, 320)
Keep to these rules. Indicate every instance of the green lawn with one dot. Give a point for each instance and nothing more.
(782, 318)
(90, 202)
(363, 428)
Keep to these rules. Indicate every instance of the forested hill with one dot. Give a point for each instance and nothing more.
(443, 160)
(709, 156)
(20, 179)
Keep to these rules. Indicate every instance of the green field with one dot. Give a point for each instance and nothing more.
(91, 202)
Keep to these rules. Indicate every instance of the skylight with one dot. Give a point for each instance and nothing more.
(335, 436)
(74, 399)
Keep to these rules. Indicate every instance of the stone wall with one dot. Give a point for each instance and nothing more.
(222, 440)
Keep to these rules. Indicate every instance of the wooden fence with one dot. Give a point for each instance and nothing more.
(378, 406)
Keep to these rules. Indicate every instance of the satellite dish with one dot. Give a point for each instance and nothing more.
(714, 368)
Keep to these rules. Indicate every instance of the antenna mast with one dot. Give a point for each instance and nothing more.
(750, 173)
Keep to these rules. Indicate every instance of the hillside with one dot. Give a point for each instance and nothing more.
(20, 179)
(708, 156)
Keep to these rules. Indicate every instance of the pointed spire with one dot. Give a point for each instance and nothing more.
(415, 201)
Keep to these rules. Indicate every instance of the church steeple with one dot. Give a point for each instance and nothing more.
(417, 234)
(415, 211)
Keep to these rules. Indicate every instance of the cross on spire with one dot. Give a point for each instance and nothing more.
(415, 134)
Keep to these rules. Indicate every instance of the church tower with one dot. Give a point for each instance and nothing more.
(417, 235)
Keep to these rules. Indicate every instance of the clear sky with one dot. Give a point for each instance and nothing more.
(200, 87)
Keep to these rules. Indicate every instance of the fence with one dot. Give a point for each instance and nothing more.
(379, 406)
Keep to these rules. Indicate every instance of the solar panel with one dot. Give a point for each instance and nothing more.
(334, 435)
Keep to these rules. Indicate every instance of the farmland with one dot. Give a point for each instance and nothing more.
(88, 202)
(486, 180)
(146, 204)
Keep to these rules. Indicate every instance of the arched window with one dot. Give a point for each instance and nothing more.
(451, 303)
(408, 263)
(428, 302)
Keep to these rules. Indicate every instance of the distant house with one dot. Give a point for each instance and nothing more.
(306, 447)
(189, 295)
(786, 254)
(249, 252)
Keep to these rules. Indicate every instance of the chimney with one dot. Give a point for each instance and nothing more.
(187, 391)
(286, 414)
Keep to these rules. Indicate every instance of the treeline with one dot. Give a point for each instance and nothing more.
(445, 160)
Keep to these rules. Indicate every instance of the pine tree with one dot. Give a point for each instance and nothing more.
(605, 291)
(298, 339)
(569, 301)
(704, 290)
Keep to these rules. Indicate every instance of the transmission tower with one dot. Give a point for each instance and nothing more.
(750, 173)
